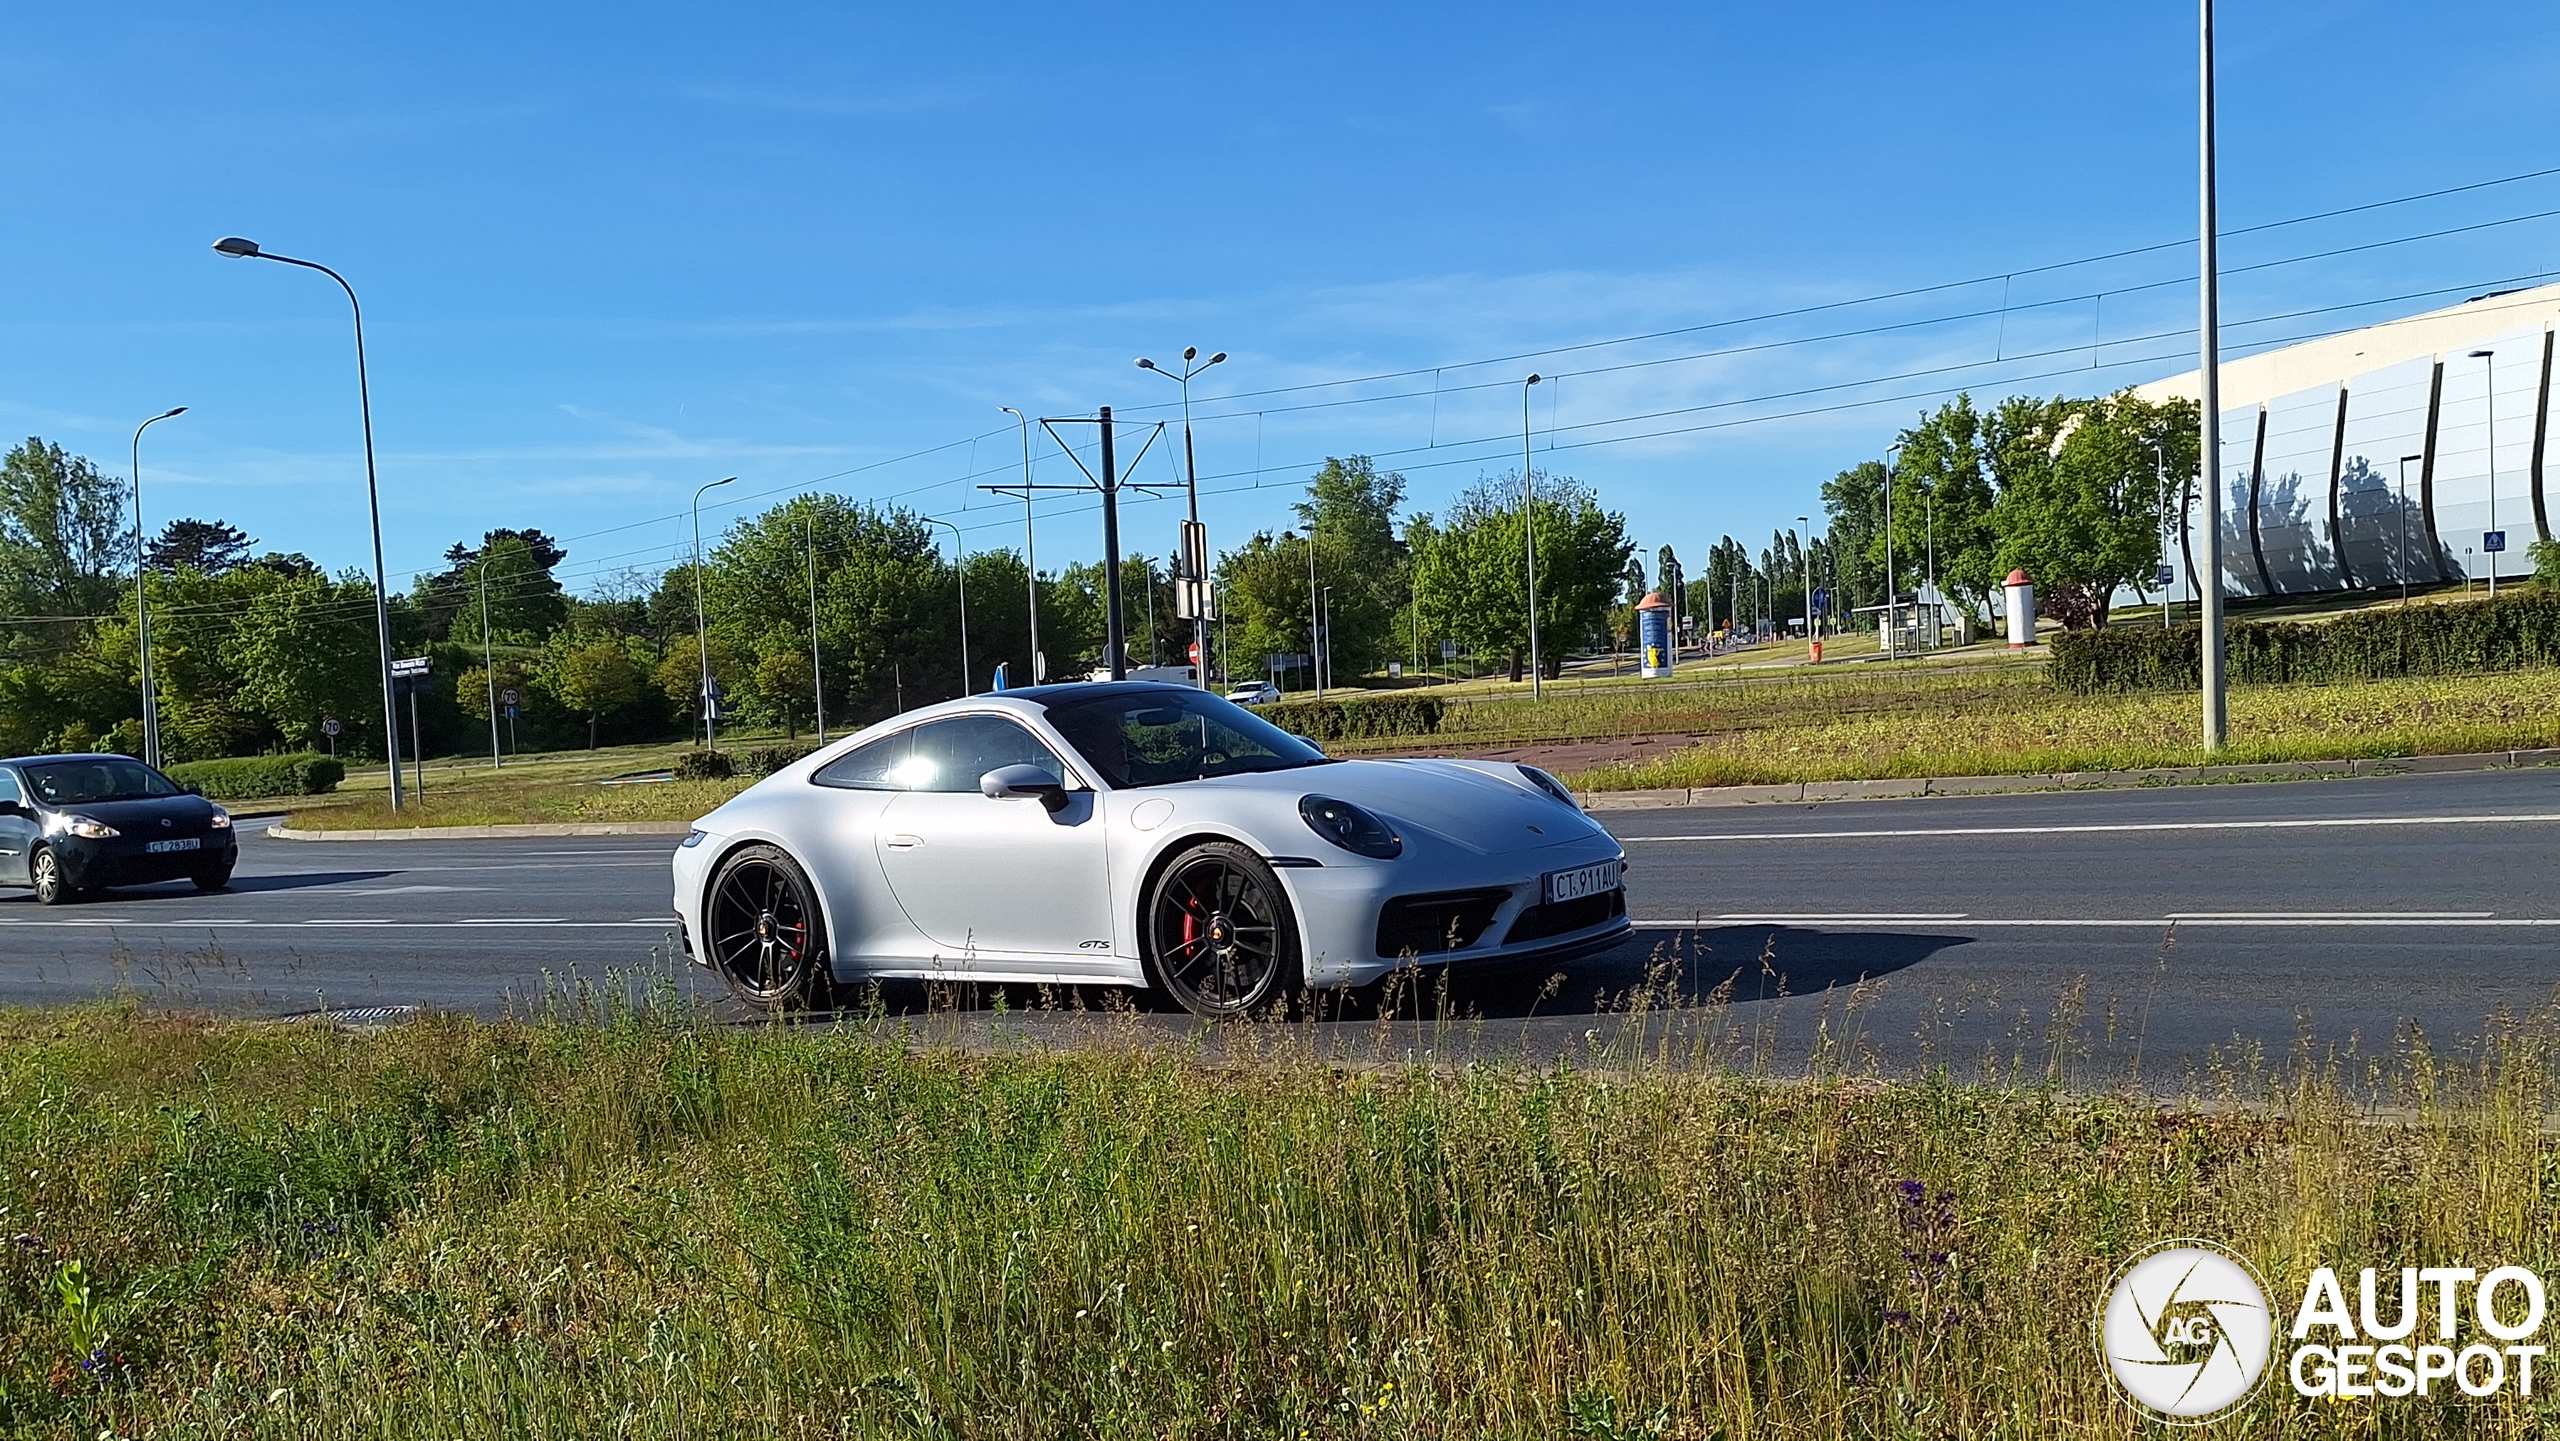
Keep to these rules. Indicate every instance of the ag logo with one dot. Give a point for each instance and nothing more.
(2186, 1331)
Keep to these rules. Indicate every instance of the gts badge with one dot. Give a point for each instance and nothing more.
(1094, 946)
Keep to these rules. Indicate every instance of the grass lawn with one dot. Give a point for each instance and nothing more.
(555, 786)
(640, 1225)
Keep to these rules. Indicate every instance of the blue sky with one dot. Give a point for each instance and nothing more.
(609, 253)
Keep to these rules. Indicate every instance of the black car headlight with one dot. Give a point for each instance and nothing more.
(1547, 783)
(1350, 827)
(88, 828)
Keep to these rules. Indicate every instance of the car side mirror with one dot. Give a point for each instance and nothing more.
(1309, 744)
(1019, 782)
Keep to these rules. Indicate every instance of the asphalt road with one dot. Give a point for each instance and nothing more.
(2166, 935)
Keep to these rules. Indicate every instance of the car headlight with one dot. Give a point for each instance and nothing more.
(1350, 827)
(221, 819)
(1548, 783)
(88, 829)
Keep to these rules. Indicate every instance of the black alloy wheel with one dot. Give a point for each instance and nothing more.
(52, 887)
(766, 940)
(1220, 939)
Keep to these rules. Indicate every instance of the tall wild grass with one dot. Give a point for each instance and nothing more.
(637, 1224)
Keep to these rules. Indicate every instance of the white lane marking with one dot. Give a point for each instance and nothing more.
(515, 921)
(2118, 827)
(300, 925)
(2330, 915)
(2065, 923)
(404, 890)
(1845, 916)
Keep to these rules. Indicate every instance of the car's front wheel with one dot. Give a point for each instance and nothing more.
(1220, 938)
(212, 880)
(53, 888)
(764, 934)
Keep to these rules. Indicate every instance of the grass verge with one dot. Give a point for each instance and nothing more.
(634, 1224)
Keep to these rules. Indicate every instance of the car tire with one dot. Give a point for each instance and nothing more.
(212, 880)
(1218, 932)
(53, 888)
(764, 933)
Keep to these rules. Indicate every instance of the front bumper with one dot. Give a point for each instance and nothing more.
(125, 860)
(1340, 905)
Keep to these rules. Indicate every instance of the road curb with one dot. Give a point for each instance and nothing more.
(485, 833)
(1801, 791)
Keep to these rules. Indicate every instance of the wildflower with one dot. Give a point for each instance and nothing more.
(1897, 1318)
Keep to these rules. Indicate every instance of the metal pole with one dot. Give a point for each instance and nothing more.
(488, 660)
(2209, 345)
(1030, 553)
(1115, 628)
(1804, 553)
(2160, 550)
(2404, 527)
(1891, 587)
(1328, 633)
(2489, 362)
(1529, 527)
(817, 667)
(235, 246)
(960, 546)
(417, 746)
(1315, 618)
(702, 624)
(142, 599)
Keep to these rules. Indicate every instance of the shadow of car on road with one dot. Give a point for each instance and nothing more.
(1654, 967)
(240, 885)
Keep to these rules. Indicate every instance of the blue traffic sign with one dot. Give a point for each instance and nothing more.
(2167, 575)
(2493, 540)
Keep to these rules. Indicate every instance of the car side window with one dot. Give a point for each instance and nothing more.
(877, 766)
(951, 754)
(9, 787)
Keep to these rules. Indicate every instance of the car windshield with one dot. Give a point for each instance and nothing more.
(1158, 737)
(69, 783)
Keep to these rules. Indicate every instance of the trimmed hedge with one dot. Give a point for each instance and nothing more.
(705, 766)
(1373, 716)
(244, 778)
(765, 760)
(2513, 632)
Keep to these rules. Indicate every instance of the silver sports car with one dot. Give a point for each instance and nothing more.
(1137, 834)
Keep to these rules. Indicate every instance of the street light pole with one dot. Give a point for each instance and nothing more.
(2160, 532)
(1892, 587)
(2404, 526)
(142, 598)
(1191, 482)
(960, 546)
(1030, 553)
(817, 666)
(2489, 362)
(488, 659)
(1529, 528)
(2209, 343)
(702, 624)
(1804, 553)
(237, 248)
(1315, 615)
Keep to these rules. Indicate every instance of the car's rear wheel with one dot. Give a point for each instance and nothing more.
(53, 888)
(1220, 938)
(764, 933)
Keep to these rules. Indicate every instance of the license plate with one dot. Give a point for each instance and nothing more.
(191, 843)
(1581, 881)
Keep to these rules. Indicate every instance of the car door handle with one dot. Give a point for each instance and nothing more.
(904, 842)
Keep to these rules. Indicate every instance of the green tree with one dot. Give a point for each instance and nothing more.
(592, 673)
(1471, 579)
(2080, 494)
(1942, 500)
(64, 549)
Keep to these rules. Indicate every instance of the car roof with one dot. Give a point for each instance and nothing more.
(1084, 690)
(69, 756)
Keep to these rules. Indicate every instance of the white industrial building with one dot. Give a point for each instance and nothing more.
(2354, 461)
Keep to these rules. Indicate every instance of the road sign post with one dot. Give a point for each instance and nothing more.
(329, 727)
(413, 674)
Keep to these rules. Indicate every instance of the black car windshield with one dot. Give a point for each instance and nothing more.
(1157, 737)
(71, 783)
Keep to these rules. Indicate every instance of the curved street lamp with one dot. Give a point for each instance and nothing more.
(701, 624)
(1529, 524)
(1191, 484)
(239, 249)
(142, 598)
(960, 546)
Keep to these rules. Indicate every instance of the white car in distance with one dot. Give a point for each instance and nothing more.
(1134, 834)
(1261, 692)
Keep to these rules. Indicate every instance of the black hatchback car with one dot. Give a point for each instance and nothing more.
(76, 823)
